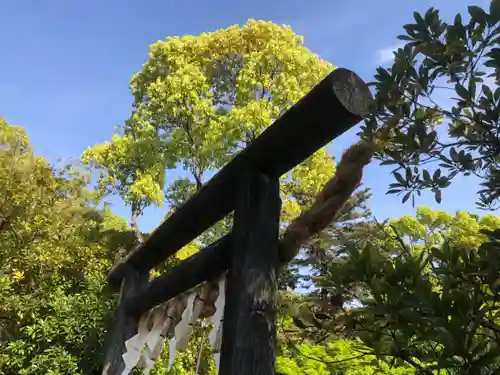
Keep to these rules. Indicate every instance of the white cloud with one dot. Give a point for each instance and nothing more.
(385, 55)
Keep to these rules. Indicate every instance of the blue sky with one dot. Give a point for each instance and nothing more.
(65, 65)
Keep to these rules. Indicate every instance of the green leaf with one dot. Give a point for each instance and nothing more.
(437, 196)
(494, 12)
(418, 18)
(393, 191)
(462, 91)
(420, 114)
(478, 14)
(487, 92)
(400, 178)
(497, 94)
(406, 196)
(404, 37)
(426, 175)
(436, 175)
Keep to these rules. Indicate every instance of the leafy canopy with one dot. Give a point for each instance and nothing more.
(55, 250)
(426, 292)
(198, 100)
(447, 75)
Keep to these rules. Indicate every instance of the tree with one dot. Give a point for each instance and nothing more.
(54, 257)
(341, 356)
(133, 167)
(426, 292)
(199, 100)
(334, 353)
(440, 60)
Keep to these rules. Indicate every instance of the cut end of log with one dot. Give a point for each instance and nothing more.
(351, 91)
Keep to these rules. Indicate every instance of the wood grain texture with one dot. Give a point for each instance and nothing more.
(207, 264)
(249, 330)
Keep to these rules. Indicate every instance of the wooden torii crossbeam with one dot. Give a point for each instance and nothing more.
(249, 186)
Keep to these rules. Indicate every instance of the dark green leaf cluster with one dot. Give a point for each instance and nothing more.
(447, 74)
(433, 307)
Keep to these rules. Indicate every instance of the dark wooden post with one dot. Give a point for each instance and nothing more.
(124, 325)
(249, 328)
(333, 106)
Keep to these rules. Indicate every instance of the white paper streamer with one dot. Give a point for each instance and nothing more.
(162, 319)
(134, 345)
(172, 352)
(154, 340)
(215, 335)
(184, 329)
(156, 330)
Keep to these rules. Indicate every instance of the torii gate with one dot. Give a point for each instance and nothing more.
(242, 267)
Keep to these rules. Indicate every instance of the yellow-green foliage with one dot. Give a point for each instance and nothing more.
(187, 251)
(133, 168)
(418, 293)
(54, 251)
(13, 139)
(430, 227)
(337, 357)
(198, 100)
(304, 182)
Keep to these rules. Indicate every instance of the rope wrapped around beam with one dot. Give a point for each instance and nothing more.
(212, 261)
(334, 105)
(329, 202)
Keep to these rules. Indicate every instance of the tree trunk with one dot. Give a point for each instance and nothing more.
(133, 223)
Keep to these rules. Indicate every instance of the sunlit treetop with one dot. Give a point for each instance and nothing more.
(13, 139)
(215, 92)
(200, 99)
(431, 227)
